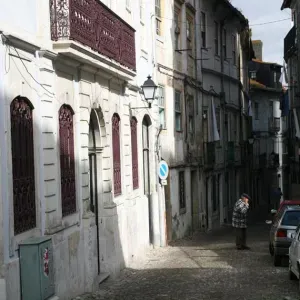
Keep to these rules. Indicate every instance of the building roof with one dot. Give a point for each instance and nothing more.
(265, 62)
(256, 84)
(286, 4)
(237, 12)
(259, 86)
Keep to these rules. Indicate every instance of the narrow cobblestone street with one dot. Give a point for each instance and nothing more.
(206, 266)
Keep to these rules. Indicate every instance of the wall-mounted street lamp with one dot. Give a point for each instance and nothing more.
(148, 89)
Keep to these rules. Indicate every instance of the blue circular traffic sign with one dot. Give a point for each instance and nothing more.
(163, 170)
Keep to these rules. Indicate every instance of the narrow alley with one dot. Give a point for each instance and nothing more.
(206, 266)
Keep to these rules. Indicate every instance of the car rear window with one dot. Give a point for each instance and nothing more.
(291, 218)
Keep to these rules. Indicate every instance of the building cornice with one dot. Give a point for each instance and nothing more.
(214, 72)
(84, 55)
(18, 42)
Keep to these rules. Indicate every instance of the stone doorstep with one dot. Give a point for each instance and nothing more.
(102, 277)
(53, 298)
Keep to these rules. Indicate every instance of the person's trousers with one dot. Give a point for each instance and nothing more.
(241, 237)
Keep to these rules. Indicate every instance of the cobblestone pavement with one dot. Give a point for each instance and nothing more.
(205, 267)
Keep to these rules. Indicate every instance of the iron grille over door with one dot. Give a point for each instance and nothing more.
(23, 165)
(134, 153)
(116, 154)
(67, 160)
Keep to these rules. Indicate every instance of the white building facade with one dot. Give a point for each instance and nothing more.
(203, 110)
(79, 142)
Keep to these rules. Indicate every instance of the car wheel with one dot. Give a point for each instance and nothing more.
(292, 276)
(277, 260)
(271, 250)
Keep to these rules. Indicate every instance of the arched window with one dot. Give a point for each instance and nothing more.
(134, 153)
(116, 154)
(67, 160)
(23, 165)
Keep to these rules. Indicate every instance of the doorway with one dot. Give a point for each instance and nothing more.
(146, 170)
(206, 201)
(195, 202)
(93, 157)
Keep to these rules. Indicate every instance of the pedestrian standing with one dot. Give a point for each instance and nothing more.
(239, 221)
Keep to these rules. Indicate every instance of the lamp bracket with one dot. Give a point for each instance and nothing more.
(181, 50)
(142, 107)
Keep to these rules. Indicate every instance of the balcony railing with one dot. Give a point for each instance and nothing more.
(274, 124)
(290, 44)
(92, 24)
(210, 153)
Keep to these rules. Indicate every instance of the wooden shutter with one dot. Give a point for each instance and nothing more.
(67, 160)
(134, 154)
(23, 165)
(116, 154)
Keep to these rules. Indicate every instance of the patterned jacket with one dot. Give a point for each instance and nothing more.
(239, 216)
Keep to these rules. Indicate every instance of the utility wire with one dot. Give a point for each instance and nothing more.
(271, 22)
(205, 25)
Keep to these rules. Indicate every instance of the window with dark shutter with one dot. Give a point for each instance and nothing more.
(116, 154)
(67, 160)
(23, 165)
(182, 200)
(134, 154)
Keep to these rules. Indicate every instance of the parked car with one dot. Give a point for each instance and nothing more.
(283, 205)
(284, 225)
(294, 256)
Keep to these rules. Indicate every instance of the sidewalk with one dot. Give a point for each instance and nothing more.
(202, 267)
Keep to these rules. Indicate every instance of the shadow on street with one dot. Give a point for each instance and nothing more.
(205, 266)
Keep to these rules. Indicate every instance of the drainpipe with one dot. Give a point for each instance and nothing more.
(224, 113)
(198, 56)
(160, 191)
(7, 247)
(156, 198)
(41, 154)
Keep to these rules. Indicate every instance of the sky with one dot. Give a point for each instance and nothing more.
(272, 35)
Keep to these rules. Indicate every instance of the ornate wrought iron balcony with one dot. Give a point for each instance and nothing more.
(290, 45)
(92, 24)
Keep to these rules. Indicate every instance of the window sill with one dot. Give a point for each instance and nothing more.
(179, 131)
(117, 195)
(19, 238)
(160, 38)
(182, 211)
(128, 9)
